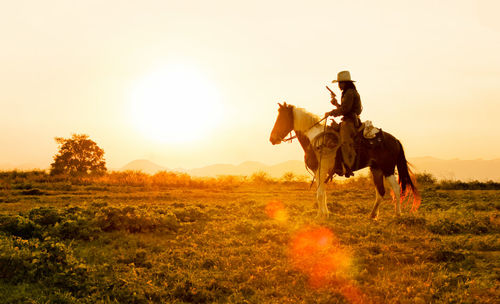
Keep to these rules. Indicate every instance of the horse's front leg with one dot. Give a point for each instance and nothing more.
(378, 181)
(376, 205)
(321, 197)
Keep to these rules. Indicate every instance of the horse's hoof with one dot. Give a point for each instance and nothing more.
(374, 215)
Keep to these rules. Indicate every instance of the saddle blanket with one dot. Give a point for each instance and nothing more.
(369, 131)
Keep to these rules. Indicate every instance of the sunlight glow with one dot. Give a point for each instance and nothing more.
(175, 103)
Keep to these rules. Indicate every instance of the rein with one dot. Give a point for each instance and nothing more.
(289, 139)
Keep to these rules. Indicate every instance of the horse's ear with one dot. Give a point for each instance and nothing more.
(279, 104)
(284, 104)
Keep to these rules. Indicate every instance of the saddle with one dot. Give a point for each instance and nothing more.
(367, 137)
(327, 144)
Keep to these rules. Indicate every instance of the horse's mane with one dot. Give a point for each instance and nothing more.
(303, 120)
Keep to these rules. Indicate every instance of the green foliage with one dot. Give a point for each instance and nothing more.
(473, 185)
(34, 250)
(135, 220)
(18, 226)
(450, 226)
(78, 156)
(48, 260)
(87, 224)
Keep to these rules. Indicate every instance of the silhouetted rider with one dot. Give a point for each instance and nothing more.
(349, 108)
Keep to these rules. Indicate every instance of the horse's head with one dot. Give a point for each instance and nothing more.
(283, 124)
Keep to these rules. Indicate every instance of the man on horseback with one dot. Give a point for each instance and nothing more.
(349, 108)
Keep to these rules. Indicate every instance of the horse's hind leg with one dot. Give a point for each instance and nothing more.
(397, 190)
(378, 180)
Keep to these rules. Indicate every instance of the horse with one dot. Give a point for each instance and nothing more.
(321, 144)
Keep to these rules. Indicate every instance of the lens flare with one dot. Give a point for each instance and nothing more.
(276, 210)
(316, 252)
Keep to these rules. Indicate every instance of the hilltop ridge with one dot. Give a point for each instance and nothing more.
(454, 169)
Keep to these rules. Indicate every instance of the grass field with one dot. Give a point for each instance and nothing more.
(233, 241)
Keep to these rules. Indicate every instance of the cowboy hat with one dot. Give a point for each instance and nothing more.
(343, 76)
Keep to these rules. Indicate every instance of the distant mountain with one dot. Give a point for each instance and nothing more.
(457, 169)
(250, 167)
(21, 167)
(143, 165)
(465, 170)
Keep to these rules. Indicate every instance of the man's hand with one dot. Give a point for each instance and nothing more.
(336, 112)
(334, 101)
(327, 114)
(332, 95)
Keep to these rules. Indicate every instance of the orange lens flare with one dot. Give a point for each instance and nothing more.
(316, 252)
(276, 210)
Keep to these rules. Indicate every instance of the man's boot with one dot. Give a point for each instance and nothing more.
(339, 164)
(347, 171)
(348, 157)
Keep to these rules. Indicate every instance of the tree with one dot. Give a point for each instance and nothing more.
(78, 156)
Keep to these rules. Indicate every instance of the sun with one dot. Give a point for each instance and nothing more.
(174, 104)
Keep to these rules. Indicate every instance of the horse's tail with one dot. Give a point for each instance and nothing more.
(407, 180)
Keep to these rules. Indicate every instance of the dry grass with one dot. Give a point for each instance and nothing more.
(133, 238)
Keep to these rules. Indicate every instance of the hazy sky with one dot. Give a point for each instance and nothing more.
(427, 71)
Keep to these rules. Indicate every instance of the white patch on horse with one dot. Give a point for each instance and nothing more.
(397, 190)
(304, 121)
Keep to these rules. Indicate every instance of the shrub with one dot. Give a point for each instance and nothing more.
(443, 255)
(165, 178)
(472, 185)
(288, 177)
(44, 216)
(32, 192)
(188, 214)
(359, 182)
(448, 227)
(134, 220)
(229, 180)
(425, 179)
(260, 178)
(18, 226)
(49, 261)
